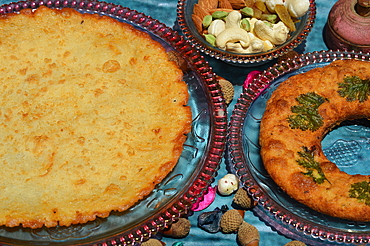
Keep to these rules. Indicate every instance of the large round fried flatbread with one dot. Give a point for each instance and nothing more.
(92, 117)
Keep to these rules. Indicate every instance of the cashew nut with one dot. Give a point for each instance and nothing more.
(216, 27)
(233, 34)
(235, 47)
(252, 21)
(267, 45)
(233, 19)
(255, 46)
(275, 33)
(297, 8)
(258, 45)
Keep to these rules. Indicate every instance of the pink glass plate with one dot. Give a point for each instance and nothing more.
(184, 13)
(282, 213)
(195, 170)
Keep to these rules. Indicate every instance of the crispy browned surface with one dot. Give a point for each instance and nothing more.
(280, 143)
(91, 117)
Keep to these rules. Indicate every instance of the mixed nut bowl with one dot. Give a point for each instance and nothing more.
(246, 32)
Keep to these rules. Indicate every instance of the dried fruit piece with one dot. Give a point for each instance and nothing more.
(261, 6)
(249, 3)
(257, 13)
(285, 17)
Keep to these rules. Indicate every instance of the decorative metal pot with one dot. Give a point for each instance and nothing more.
(348, 26)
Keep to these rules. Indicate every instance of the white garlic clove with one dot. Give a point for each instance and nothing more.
(228, 184)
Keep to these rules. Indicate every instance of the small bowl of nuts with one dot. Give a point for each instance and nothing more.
(246, 32)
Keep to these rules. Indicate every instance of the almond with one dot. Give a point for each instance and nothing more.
(224, 4)
(238, 4)
(197, 22)
(208, 4)
(200, 11)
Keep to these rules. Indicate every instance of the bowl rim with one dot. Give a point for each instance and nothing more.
(187, 27)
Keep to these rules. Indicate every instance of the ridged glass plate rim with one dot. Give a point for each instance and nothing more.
(188, 29)
(269, 211)
(205, 174)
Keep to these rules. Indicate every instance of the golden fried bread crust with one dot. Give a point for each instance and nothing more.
(92, 117)
(280, 143)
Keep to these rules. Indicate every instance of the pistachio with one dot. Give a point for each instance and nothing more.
(207, 20)
(245, 24)
(220, 14)
(272, 18)
(247, 11)
(210, 39)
